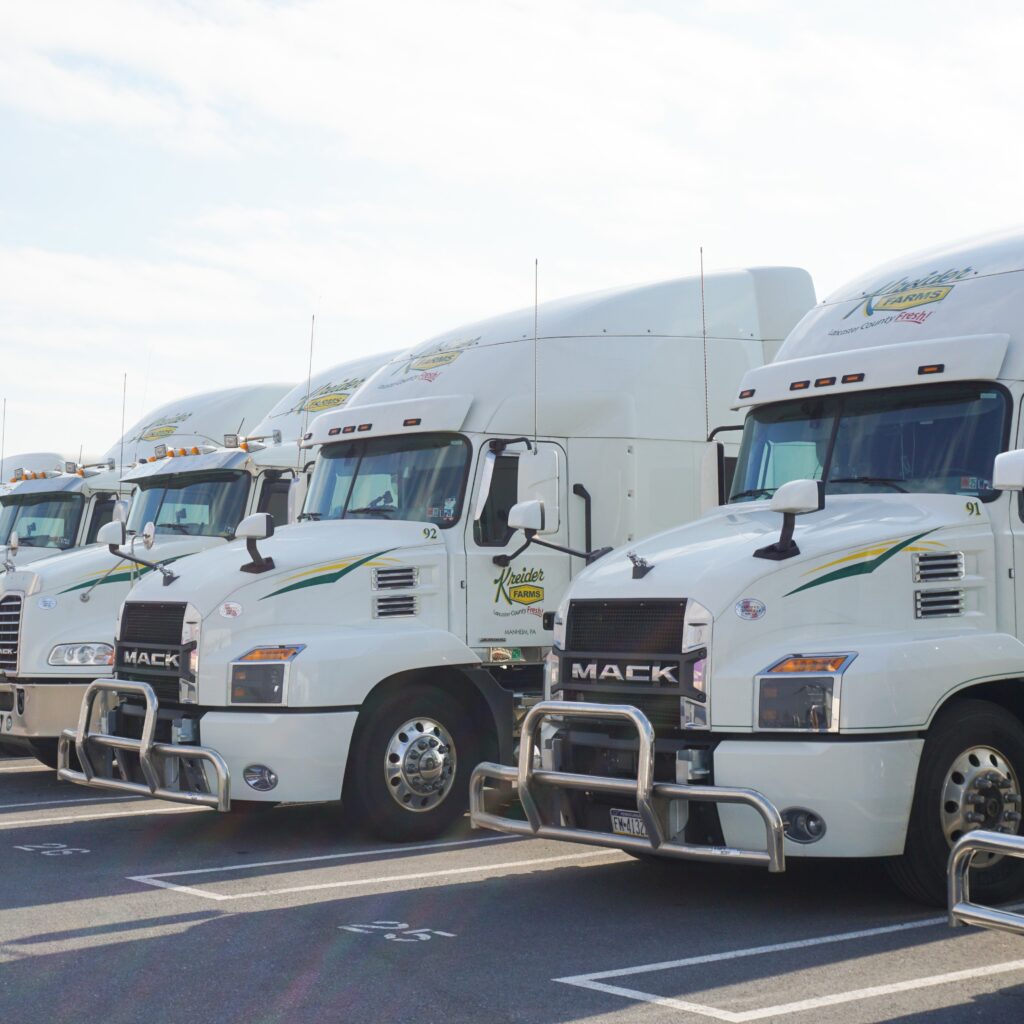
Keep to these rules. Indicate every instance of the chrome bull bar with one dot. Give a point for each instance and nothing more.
(961, 910)
(651, 797)
(153, 756)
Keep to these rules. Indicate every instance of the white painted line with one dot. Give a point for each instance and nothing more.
(592, 982)
(80, 800)
(28, 768)
(476, 869)
(331, 856)
(29, 822)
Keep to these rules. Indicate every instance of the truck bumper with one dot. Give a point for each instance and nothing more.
(861, 789)
(44, 710)
(542, 794)
(306, 753)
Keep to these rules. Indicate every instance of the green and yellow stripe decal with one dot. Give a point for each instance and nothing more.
(330, 573)
(874, 557)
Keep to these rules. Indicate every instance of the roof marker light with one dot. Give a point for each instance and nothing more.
(747, 392)
(350, 429)
(334, 431)
(412, 422)
(195, 450)
(824, 382)
(852, 378)
(800, 385)
(307, 436)
(364, 426)
(931, 368)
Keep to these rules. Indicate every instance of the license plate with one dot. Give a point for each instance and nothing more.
(628, 823)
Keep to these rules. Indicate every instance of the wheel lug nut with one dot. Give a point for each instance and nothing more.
(974, 817)
(1012, 798)
(983, 784)
(1011, 815)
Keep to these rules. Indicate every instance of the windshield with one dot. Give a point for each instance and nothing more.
(940, 438)
(420, 478)
(193, 504)
(41, 520)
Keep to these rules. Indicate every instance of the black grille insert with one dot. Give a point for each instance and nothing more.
(648, 627)
(152, 622)
(10, 628)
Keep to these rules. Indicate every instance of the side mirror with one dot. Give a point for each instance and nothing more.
(712, 476)
(258, 526)
(800, 496)
(527, 515)
(120, 513)
(149, 535)
(1008, 471)
(13, 542)
(792, 499)
(297, 496)
(539, 481)
(113, 534)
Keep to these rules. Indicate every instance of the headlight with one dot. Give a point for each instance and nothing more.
(190, 634)
(258, 677)
(558, 638)
(82, 654)
(550, 674)
(697, 625)
(800, 693)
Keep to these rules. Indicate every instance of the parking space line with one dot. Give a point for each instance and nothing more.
(476, 869)
(70, 818)
(592, 981)
(79, 800)
(27, 768)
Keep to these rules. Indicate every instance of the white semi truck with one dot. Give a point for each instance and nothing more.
(831, 664)
(57, 614)
(379, 648)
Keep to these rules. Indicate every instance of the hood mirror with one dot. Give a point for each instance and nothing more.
(13, 543)
(258, 526)
(1008, 472)
(796, 498)
(120, 513)
(149, 535)
(113, 534)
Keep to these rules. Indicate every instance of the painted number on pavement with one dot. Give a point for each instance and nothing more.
(52, 849)
(396, 931)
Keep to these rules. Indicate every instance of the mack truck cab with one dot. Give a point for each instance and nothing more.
(57, 613)
(378, 648)
(830, 664)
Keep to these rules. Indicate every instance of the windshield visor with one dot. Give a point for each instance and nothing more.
(194, 505)
(42, 520)
(419, 479)
(939, 439)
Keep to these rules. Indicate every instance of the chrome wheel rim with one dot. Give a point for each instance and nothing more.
(981, 791)
(419, 765)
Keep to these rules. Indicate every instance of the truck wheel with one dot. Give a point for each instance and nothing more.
(969, 778)
(408, 771)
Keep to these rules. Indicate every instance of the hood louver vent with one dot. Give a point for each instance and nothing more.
(937, 566)
(938, 604)
(394, 607)
(400, 578)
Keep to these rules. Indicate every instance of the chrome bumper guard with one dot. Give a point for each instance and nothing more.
(961, 910)
(537, 787)
(153, 757)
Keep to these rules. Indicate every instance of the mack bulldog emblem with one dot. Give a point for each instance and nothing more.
(151, 659)
(654, 673)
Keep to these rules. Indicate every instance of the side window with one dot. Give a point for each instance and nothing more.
(274, 498)
(102, 513)
(491, 530)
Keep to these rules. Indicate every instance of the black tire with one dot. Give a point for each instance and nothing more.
(921, 871)
(369, 798)
(46, 751)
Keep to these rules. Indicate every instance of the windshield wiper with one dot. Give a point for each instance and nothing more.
(313, 516)
(754, 492)
(180, 527)
(371, 510)
(884, 481)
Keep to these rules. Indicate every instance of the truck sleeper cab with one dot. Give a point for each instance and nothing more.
(841, 641)
(380, 647)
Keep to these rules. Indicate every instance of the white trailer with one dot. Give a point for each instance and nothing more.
(379, 648)
(57, 614)
(854, 685)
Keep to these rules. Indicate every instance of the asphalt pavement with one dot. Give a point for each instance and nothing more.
(132, 910)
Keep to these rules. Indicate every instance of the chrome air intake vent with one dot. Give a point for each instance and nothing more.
(937, 566)
(400, 578)
(10, 630)
(394, 607)
(938, 604)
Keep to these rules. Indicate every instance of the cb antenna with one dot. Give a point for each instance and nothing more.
(309, 387)
(124, 402)
(3, 438)
(704, 335)
(536, 274)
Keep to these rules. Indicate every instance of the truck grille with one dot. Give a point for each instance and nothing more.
(152, 622)
(647, 627)
(662, 711)
(10, 630)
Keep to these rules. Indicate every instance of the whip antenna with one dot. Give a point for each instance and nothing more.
(536, 272)
(3, 438)
(124, 402)
(309, 387)
(704, 335)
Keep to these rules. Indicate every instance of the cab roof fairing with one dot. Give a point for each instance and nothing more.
(437, 413)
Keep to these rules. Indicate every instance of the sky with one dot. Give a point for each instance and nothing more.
(183, 185)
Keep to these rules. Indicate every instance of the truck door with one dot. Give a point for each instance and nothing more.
(273, 496)
(101, 514)
(505, 604)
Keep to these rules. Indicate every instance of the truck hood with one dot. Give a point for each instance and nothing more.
(305, 555)
(712, 559)
(73, 571)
